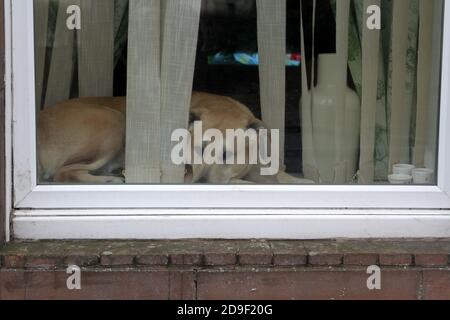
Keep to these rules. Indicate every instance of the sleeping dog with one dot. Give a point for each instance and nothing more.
(83, 141)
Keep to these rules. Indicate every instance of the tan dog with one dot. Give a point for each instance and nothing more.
(82, 141)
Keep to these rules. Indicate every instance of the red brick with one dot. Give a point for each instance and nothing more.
(436, 285)
(220, 259)
(120, 284)
(45, 262)
(324, 253)
(304, 284)
(289, 260)
(184, 252)
(13, 261)
(13, 284)
(256, 259)
(289, 253)
(153, 260)
(220, 253)
(182, 285)
(431, 260)
(255, 253)
(360, 259)
(324, 259)
(109, 259)
(82, 260)
(186, 259)
(396, 259)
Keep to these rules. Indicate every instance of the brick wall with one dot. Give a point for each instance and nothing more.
(196, 269)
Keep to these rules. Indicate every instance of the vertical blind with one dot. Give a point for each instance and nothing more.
(160, 79)
(61, 71)
(272, 71)
(40, 30)
(96, 48)
(162, 44)
(143, 92)
(370, 67)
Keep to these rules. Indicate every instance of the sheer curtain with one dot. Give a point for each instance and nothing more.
(162, 42)
(391, 71)
(161, 66)
(41, 10)
(96, 49)
(159, 86)
(58, 53)
(143, 92)
(272, 69)
(61, 68)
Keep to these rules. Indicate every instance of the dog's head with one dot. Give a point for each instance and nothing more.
(232, 167)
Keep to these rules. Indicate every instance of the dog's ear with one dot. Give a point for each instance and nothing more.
(193, 117)
(257, 125)
(266, 143)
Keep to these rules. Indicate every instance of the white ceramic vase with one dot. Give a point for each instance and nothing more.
(324, 109)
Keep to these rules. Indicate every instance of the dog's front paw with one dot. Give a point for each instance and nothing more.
(115, 180)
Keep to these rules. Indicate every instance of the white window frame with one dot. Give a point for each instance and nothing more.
(205, 211)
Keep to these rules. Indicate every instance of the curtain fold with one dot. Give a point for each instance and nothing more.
(41, 9)
(96, 49)
(398, 139)
(310, 170)
(179, 47)
(395, 130)
(424, 68)
(102, 25)
(381, 144)
(272, 70)
(413, 123)
(431, 149)
(120, 29)
(62, 68)
(342, 36)
(143, 93)
(370, 67)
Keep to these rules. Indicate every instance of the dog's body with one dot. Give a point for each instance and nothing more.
(82, 140)
(80, 136)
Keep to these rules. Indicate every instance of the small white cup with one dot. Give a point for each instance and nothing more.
(400, 179)
(423, 176)
(403, 169)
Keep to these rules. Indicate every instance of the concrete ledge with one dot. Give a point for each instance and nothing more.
(205, 253)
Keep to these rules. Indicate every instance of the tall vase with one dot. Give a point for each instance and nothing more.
(324, 108)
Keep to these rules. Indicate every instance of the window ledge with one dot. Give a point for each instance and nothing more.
(55, 255)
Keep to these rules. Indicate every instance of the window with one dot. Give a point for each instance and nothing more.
(277, 116)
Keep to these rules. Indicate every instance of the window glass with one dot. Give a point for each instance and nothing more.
(237, 92)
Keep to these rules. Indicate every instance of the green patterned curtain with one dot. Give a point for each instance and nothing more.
(384, 83)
